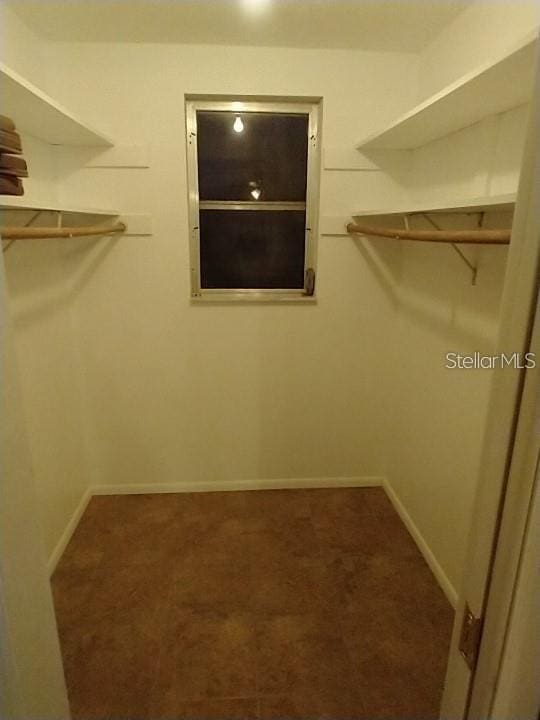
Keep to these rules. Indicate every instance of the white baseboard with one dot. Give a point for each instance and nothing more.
(149, 488)
(442, 578)
(68, 532)
(209, 486)
(266, 484)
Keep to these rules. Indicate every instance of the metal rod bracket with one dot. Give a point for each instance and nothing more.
(472, 267)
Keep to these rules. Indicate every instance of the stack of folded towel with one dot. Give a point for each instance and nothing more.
(12, 167)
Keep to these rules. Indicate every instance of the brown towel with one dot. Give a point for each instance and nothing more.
(6, 149)
(6, 123)
(11, 140)
(10, 185)
(12, 165)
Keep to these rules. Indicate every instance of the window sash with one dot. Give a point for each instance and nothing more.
(311, 109)
(265, 252)
(250, 205)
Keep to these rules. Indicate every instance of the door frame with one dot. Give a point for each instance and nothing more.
(512, 551)
(518, 691)
(508, 463)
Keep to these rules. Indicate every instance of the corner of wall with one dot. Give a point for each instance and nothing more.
(21, 48)
(482, 30)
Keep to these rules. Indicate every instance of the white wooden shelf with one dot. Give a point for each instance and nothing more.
(24, 203)
(493, 203)
(495, 87)
(36, 113)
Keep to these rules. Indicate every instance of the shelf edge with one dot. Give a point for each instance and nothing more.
(365, 144)
(42, 96)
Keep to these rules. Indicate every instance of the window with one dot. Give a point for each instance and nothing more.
(253, 172)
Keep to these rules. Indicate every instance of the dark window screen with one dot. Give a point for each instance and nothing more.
(270, 153)
(248, 249)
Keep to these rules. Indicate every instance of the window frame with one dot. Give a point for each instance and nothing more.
(295, 106)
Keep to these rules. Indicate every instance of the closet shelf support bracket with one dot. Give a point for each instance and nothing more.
(473, 268)
(30, 222)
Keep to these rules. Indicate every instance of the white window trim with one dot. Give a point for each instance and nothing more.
(311, 107)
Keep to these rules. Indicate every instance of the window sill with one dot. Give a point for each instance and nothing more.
(233, 298)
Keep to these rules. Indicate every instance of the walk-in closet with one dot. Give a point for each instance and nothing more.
(269, 341)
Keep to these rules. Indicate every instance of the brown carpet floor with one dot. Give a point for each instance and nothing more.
(298, 604)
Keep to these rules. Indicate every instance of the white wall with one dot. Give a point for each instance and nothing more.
(439, 413)
(176, 393)
(483, 30)
(41, 280)
(439, 417)
(31, 675)
(481, 160)
(21, 48)
(184, 393)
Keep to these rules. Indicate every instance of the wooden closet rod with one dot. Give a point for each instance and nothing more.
(477, 237)
(37, 233)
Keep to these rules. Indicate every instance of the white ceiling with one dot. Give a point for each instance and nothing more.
(400, 25)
